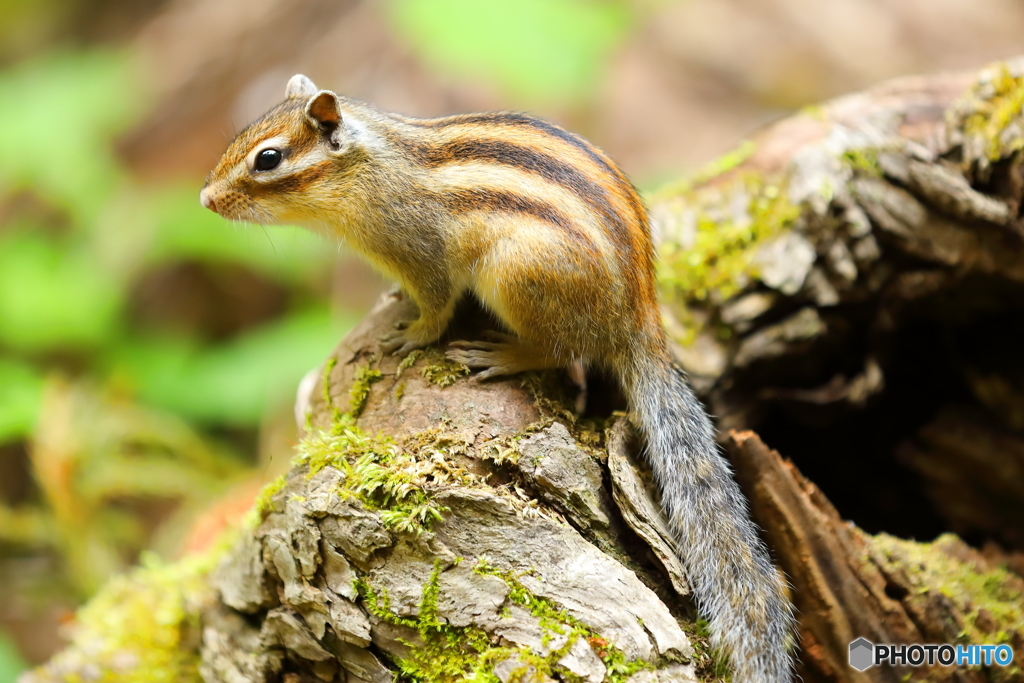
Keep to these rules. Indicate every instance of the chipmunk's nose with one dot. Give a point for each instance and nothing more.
(206, 200)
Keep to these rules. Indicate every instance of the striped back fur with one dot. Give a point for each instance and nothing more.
(405, 191)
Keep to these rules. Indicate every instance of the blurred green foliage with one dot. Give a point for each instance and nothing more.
(537, 51)
(11, 663)
(119, 418)
(79, 232)
(54, 294)
(229, 383)
(58, 116)
(21, 387)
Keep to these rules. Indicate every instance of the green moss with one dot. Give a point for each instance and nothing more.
(364, 377)
(395, 477)
(709, 663)
(718, 167)
(409, 361)
(437, 369)
(720, 260)
(449, 654)
(328, 401)
(264, 505)
(141, 626)
(993, 106)
(503, 450)
(863, 161)
(444, 653)
(932, 569)
(441, 371)
(342, 444)
(555, 620)
(405, 507)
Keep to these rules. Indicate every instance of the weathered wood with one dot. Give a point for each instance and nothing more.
(849, 585)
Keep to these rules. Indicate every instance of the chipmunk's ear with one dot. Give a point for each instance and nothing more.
(299, 86)
(324, 111)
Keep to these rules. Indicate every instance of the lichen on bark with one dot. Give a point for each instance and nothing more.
(142, 626)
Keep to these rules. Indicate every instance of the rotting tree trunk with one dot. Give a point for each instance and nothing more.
(492, 530)
(525, 528)
(850, 284)
(851, 585)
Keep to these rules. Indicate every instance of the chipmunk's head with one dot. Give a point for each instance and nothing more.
(278, 168)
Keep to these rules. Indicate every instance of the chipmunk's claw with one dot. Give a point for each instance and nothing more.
(490, 356)
(400, 340)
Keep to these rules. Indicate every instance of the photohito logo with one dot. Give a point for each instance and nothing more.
(862, 654)
(865, 654)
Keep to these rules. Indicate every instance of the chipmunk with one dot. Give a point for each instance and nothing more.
(546, 231)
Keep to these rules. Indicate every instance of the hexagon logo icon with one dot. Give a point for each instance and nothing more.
(862, 654)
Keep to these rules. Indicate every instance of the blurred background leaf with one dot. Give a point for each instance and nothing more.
(11, 663)
(52, 295)
(69, 106)
(232, 383)
(538, 51)
(20, 389)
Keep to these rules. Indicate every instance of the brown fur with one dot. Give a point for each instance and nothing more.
(552, 198)
(549, 234)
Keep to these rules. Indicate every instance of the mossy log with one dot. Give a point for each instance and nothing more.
(850, 585)
(848, 284)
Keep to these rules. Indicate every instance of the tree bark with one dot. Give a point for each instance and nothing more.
(434, 526)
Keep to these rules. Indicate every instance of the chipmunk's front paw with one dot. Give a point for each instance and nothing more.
(406, 337)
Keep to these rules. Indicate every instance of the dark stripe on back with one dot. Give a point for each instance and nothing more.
(515, 119)
(622, 229)
(528, 159)
(482, 199)
(510, 154)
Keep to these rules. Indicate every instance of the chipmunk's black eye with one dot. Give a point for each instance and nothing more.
(268, 159)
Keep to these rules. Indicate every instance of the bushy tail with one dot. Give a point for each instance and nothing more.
(736, 587)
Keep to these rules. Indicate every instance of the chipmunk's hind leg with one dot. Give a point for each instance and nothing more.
(501, 354)
(423, 331)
